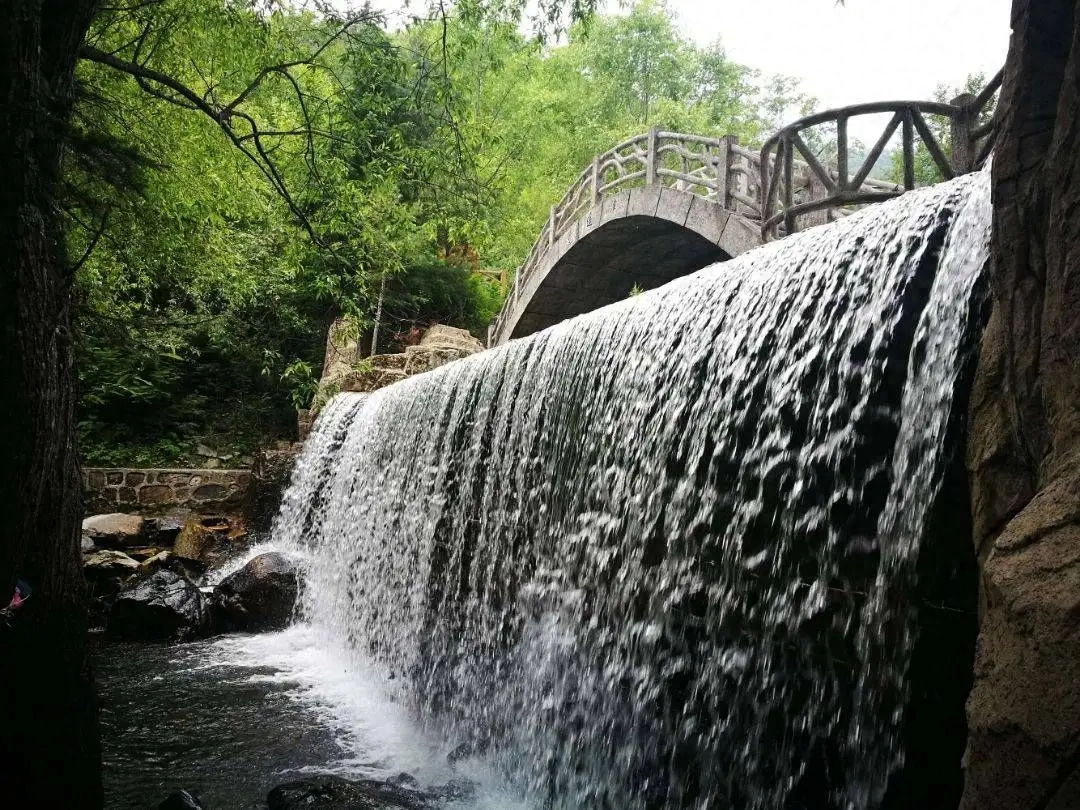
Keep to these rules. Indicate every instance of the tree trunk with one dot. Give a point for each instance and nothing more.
(49, 756)
(1024, 455)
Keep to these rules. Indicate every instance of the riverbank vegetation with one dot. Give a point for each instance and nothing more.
(399, 162)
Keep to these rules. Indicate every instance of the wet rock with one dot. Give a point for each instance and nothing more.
(106, 572)
(167, 527)
(335, 793)
(209, 540)
(260, 596)
(189, 569)
(116, 530)
(454, 792)
(181, 800)
(109, 563)
(398, 793)
(159, 560)
(161, 606)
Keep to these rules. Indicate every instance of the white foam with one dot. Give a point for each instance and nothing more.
(216, 575)
(377, 737)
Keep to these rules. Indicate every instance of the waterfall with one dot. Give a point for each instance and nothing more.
(663, 555)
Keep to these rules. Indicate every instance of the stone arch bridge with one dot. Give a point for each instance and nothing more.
(664, 204)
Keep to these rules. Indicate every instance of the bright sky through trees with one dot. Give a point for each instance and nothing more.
(866, 50)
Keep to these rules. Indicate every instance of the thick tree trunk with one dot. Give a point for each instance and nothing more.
(49, 754)
(1024, 710)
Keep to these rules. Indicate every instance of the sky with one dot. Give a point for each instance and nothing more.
(866, 50)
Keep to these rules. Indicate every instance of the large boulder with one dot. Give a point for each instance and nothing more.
(345, 370)
(168, 526)
(260, 596)
(116, 530)
(449, 337)
(161, 606)
(370, 378)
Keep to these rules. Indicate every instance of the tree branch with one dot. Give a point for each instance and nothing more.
(186, 97)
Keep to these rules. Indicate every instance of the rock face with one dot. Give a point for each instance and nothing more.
(272, 471)
(260, 596)
(116, 530)
(1024, 454)
(439, 346)
(162, 606)
(344, 370)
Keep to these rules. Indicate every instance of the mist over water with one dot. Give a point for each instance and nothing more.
(662, 555)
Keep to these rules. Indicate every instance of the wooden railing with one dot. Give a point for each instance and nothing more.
(800, 189)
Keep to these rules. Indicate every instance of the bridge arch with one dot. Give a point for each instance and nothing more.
(640, 237)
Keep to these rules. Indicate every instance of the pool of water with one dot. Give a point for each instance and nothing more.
(229, 718)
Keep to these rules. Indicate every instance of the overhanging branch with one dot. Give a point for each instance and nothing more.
(160, 84)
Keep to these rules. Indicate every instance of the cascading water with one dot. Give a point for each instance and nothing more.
(663, 555)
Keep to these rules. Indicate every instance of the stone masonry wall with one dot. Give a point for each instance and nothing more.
(150, 490)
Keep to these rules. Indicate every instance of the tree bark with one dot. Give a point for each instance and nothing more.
(1024, 454)
(49, 754)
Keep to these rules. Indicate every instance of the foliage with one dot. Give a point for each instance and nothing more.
(292, 164)
(530, 117)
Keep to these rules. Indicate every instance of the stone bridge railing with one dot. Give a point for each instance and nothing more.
(782, 187)
(797, 184)
(717, 169)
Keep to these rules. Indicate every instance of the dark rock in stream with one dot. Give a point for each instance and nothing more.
(260, 596)
(335, 793)
(162, 606)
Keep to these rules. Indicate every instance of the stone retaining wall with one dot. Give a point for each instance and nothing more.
(153, 490)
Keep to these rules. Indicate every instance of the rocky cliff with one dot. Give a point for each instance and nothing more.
(1024, 455)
